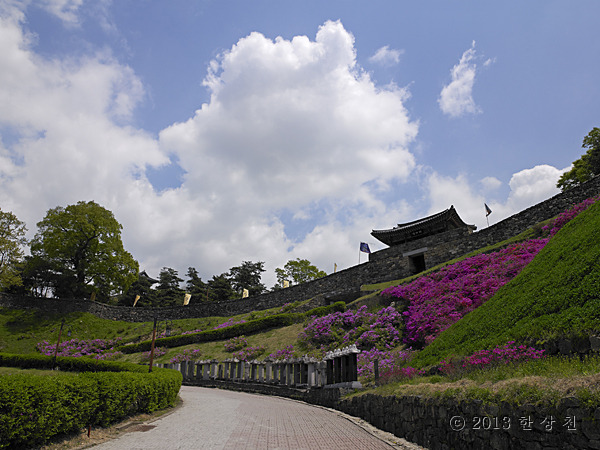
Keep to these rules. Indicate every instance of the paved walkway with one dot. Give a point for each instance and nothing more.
(220, 419)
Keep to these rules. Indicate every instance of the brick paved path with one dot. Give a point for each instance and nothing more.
(219, 419)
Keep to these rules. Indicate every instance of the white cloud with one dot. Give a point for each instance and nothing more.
(66, 10)
(527, 188)
(446, 191)
(490, 183)
(289, 123)
(386, 56)
(57, 123)
(456, 98)
(531, 186)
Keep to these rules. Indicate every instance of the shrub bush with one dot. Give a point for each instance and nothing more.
(35, 408)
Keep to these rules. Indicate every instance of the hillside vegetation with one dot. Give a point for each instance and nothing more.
(539, 285)
(557, 294)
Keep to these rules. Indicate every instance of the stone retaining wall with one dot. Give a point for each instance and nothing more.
(442, 424)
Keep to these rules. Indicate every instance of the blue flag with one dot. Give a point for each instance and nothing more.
(364, 247)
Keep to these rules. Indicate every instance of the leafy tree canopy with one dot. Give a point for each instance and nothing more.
(247, 276)
(169, 292)
(12, 239)
(194, 285)
(82, 243)
(298, 271)
(219, 288)
(586, 167)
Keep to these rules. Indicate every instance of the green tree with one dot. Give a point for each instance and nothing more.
(219, 288)
(168, 291)
(37, 276)
(195, 286)
(297, 271)
(143, 288)
(12, 239)
(247, 276)
(586, 167)
(82, 243)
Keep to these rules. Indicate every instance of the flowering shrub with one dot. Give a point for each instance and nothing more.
(286, 353)
(387, 361)
(158, 351)
(400, 374)
(108, 356)
(340, 329)
(507, 354)
(189, 354)
(569, 214)
(236, 343)
(79, 347)
(249, 353)
(438, 300)
(229, 323)
(286, 307)
(192, 332)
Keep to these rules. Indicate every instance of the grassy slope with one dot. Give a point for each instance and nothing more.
(558, 293)
(21, 330)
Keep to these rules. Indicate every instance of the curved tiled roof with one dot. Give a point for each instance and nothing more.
(427, 226)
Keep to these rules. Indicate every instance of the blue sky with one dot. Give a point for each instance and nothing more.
(230, 131)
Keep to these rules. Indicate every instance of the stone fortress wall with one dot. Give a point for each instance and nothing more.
(388, 264)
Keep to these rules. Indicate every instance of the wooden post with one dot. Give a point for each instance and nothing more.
(152, 346)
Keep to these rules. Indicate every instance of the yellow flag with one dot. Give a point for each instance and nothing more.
(186, 299)
(334, 267)
(137, 297)
(245, 293)
(286, 283)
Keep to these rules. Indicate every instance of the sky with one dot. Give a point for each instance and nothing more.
(219, 132)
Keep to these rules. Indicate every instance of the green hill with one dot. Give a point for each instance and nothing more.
(557, 294)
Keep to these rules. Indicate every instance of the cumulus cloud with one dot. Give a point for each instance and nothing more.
(531, 186)
(58, 125)
(490, 183)
(386, 56)
(456, 98)
(446, 191)
(527, 188)
(290, 124)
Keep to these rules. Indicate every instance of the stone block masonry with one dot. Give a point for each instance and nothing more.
(385, 265)
(443, 424)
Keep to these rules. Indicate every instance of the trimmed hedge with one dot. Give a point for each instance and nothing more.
(252, 326)
(35, 408)
(67, 364)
